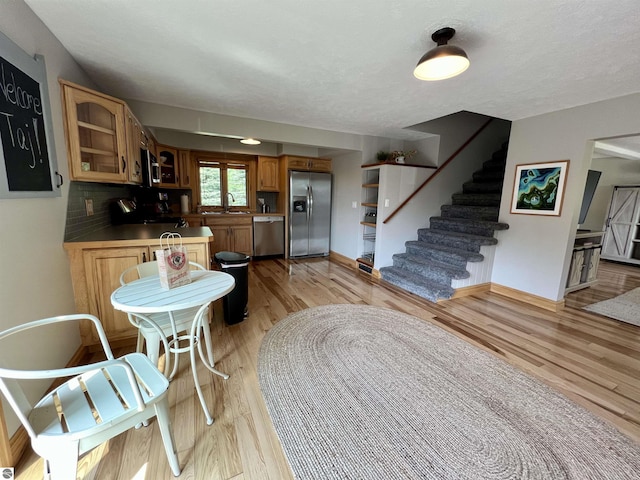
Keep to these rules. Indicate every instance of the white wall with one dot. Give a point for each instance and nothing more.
(534, 253)
(173, 118)
(345, 220)
(396, 184)
(35, 281)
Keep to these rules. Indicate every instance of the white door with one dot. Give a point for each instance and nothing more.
(621, 223)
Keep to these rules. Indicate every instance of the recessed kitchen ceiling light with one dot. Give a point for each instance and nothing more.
(250, 141)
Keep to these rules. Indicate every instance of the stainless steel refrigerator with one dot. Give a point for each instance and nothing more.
(309, 214)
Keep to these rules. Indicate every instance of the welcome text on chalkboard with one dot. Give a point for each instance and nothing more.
(22, 131)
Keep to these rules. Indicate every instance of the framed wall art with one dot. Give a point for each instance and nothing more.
(27, 153)
(539, 188)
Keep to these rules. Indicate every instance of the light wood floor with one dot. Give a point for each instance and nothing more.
(592, 359)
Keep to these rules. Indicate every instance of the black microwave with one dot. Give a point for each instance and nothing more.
(150, 168)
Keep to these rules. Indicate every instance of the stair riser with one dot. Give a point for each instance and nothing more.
(438, 256)
(429, 272)
(431, 294)
(500, 155)
(462, 244)
(494, 165)
(492, 200)
(472, 187)
(488, 176)
(452, 226)
(489, 214)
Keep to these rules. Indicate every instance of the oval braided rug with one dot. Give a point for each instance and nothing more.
(360, 392)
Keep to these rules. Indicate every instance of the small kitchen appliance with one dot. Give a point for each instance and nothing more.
(150, 168)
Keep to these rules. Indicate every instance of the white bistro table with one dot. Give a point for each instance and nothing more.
(145, 296)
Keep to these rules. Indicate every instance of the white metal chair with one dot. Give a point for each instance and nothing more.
(99, 401)
(155, 328)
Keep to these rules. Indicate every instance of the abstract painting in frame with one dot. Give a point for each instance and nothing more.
(539, 188)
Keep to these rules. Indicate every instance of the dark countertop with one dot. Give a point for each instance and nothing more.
(256, 214)
(141, 232)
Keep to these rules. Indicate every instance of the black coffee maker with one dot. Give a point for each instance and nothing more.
(162, 206)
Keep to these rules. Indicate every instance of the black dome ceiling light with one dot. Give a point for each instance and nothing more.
(443, 61)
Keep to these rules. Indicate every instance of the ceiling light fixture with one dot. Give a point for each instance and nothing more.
(443, 61)
(250, 141)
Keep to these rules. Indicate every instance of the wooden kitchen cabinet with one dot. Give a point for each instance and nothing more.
(96, 268)
(135, 141)
(308, 164)
(268, 174)
(102, 269)
(95, 131)
(169, 166)
(231, 233)
(186, 174)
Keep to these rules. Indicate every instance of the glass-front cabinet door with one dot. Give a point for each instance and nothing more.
(96, 136)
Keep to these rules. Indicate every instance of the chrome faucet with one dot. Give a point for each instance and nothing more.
(229, 194)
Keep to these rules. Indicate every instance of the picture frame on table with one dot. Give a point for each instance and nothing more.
(538, 188)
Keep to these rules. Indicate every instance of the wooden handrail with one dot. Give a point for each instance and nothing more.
(440, 168)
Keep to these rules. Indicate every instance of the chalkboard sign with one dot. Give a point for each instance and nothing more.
(27, 152)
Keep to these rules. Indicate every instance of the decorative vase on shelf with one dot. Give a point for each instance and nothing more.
(400, 159)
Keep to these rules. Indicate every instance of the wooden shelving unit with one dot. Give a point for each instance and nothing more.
(369, 212)
(584, 261)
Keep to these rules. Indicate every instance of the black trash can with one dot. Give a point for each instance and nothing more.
(235, 302)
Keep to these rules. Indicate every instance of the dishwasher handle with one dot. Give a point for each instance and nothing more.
(271, 219)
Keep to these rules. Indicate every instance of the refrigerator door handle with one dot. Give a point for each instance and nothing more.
(310, 201)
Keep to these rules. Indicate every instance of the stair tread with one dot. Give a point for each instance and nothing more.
(483, 186)
(471, 221)
(466, 236)
(466, 254)
(485, 196)
(451, 270)
(416, 284)
(479, 212)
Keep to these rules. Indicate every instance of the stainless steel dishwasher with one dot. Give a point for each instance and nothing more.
(268, 235)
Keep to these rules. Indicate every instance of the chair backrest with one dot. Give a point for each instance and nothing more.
(90, 403)
(12, 380)
(146, 269)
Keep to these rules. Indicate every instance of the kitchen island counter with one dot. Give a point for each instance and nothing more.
(136, 235)
(98, 259)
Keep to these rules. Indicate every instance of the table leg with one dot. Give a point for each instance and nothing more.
(176, 353)
(195, 328)
(138, 319)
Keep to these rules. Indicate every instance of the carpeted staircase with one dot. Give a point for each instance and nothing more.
(442, 251)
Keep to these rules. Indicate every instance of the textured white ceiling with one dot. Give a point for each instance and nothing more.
(347, 65)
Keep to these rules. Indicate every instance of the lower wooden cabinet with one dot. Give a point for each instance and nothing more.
(96, 268)
(231, 234)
